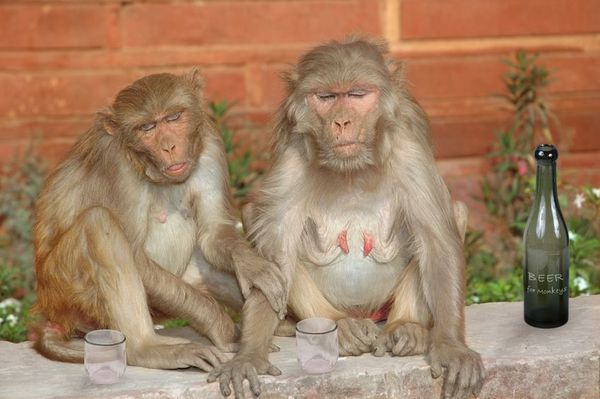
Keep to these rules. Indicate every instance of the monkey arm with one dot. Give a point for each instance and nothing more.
(222, 246)
(171, 295)
(438, 244)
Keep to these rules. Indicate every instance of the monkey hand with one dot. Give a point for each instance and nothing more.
(356, 336)
(402, 339)
(462, 369)
(252, 271)
(234, 372)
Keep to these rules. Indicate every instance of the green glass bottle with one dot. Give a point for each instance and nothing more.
(546, 249)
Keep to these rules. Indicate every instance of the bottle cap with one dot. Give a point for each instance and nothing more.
(546, 152)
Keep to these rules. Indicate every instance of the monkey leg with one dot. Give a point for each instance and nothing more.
(173, 296)
(95, 265)
(355, 336)
(409, 319)
(407, 329)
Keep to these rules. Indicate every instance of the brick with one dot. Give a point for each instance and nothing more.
(465, 137)
(583, 129)
(272, 88)
(573, 72)
(58, 94)
(43, 128)
(54, 26)
(481, 76)
(250, 22)
(455, 77)
(434, 19)
(151, 57)
(224, 84)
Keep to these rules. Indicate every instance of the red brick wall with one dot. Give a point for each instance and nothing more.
(61, 60)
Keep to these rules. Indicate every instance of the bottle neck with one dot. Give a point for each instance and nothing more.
(545, 181)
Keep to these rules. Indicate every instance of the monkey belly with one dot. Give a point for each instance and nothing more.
(356, 284)
(171, 240)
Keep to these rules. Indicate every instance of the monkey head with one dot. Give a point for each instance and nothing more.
(335, 102)
(159, 121)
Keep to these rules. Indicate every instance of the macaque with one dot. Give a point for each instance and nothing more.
(357, 217)
(138, 222)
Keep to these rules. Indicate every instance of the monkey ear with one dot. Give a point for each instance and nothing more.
(397, 71)
(291, 79)
(107, 121)
(194, 77)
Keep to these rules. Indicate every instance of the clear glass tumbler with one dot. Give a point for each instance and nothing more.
(317, 345)
(105, 356)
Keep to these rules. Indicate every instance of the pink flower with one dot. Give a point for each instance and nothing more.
(522, 167)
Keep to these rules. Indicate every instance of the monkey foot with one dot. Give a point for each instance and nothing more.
(343, 241)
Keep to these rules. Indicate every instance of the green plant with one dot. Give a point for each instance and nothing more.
(20, 183)
(584, 233)
(240, 159)
(13, 319)
(493, 261)
(507, 189)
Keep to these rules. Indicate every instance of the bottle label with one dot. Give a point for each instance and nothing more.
(546, 272)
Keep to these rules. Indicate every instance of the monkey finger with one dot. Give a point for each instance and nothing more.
(200, 364)
(249, 372)
(357, 329)
(213, 375)
(229, 348)
(224, 380)
(220, 355)
(213, 356)
(436, 369)
(381, 345)
(237, 378)
(273, 348)
(272, 370)
(477, 381)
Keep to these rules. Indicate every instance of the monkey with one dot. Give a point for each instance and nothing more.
(356, 215)
(138, 222)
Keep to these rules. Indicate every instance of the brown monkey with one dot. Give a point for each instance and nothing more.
(356, 215)
(138, 220)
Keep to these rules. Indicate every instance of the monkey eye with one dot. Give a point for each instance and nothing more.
(325, 96)
(173, 117)
(146, 127)
(357, 93)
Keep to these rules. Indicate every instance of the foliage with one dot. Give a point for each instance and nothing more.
(240, 160)
(508, 190)
(13, 319)
(20, 183)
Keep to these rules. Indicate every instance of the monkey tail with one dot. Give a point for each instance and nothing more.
(50, 341)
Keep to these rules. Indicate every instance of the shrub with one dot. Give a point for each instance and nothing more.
(508, 190)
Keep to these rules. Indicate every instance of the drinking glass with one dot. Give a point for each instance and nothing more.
(317, 345)
(105, 356)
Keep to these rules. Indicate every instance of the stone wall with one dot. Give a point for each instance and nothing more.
(521, 362)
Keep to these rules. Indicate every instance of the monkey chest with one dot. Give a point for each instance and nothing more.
(355, 261)
(171, 238)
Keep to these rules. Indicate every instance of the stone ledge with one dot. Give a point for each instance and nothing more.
(521, 362)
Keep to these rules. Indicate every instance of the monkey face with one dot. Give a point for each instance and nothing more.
(160, 122)
(166, 143)
(347, 116)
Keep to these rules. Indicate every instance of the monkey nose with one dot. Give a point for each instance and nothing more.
(168, 148)
(341, 124)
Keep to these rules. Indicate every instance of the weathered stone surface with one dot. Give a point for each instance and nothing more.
(521, 362)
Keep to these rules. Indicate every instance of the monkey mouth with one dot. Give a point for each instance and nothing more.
(176, 169)
(348, 148)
